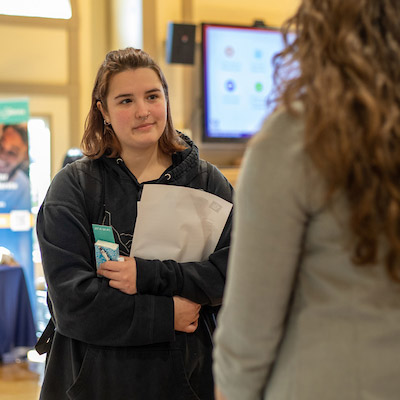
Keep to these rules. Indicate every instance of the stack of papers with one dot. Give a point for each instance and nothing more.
(178, 223)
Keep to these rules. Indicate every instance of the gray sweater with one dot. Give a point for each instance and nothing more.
(299, 321)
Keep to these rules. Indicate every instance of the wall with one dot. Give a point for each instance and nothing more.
(244, 12)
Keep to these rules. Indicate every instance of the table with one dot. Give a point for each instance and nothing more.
(17, 326)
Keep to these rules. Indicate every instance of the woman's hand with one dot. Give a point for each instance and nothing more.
(186, 314)
(122, 274)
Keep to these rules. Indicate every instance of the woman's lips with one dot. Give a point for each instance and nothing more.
(144, 126)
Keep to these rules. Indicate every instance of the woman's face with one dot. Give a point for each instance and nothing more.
(137, 108)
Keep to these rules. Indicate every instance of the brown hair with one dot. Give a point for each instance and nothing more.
(99, 139)
(347, 56)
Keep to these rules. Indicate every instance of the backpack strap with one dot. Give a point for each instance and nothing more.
(43, 345)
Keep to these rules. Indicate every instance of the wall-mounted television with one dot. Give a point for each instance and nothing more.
(237, 76)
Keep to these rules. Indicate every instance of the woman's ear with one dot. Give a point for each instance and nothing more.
(103, 111)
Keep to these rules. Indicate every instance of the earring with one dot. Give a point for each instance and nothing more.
(107, 123)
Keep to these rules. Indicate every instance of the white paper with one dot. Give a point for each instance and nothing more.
(178, 223)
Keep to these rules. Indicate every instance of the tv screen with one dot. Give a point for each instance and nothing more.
(237, 79)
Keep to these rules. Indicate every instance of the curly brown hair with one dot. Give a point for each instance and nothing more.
(98, 138)
(346, 58)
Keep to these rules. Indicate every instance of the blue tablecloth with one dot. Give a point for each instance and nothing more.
(17, 327)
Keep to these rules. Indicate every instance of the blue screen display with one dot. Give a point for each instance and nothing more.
(237, 79)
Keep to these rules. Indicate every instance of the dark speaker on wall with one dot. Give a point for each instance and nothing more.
(181, 43)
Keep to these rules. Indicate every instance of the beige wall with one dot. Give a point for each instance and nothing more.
(272, 12)
(54, 62)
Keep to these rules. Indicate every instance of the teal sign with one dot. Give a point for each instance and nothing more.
(14, 111)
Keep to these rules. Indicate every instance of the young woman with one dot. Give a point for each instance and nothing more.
(315, 313)
(137, 329)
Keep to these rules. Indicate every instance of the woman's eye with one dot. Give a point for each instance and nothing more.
(153, 97)
(126, 101)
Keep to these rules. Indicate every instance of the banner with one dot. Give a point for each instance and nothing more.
(16, 221)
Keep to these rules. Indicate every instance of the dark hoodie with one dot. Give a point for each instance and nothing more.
(107, 344)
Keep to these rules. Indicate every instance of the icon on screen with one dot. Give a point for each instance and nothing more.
(230, 85)
(258, 53)
(229, 51)
(259, 87)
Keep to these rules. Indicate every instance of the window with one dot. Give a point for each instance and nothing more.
(39, 8)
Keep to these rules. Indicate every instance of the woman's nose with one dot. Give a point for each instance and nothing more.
(142, 114)
(142, 111)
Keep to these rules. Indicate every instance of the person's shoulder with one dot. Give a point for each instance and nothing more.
(217, 183)
(77, 173)
(282, 126)
(211, 170)
(84, 164)
(83, 168)
(277, 156)
(76, 183)
(277, 150)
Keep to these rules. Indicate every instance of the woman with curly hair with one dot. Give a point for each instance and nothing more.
(312, 303)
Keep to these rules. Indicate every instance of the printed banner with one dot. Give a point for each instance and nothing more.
(16, 221)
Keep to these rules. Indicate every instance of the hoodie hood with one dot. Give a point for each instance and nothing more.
(184, 167)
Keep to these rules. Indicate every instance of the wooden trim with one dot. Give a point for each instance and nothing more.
(73, 68)
(188, 73)
(35, 88)
(149, 11)
(187, 11)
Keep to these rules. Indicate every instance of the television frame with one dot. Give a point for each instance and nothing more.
(207, 137)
